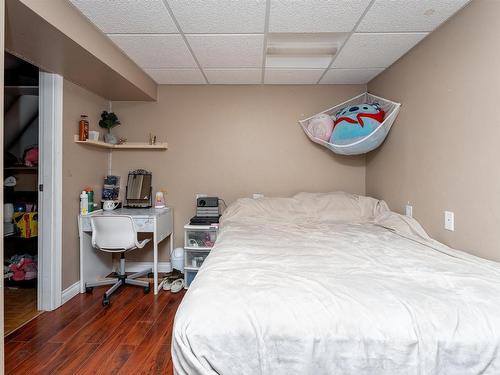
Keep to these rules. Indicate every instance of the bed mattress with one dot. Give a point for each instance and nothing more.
(311, 293)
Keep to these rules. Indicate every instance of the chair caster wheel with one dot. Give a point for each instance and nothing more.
(105, 301)
(89, 289)
(147, 290)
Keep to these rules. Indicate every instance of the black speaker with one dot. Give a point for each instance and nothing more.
(207, 202)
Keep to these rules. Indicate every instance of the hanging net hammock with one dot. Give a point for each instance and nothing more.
(376, 118)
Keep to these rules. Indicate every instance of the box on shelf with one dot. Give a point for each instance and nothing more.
(26, 223)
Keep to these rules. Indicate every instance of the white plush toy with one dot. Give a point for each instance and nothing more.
(321, 127)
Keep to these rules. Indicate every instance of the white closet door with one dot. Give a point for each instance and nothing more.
(50, 191)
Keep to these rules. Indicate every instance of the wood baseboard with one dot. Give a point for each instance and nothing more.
(70, 292)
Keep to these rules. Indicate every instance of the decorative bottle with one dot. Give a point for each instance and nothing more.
(83, 127)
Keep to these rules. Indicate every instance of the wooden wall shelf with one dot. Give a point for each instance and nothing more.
(125, 146)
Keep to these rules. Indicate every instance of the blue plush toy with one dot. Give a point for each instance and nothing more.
(355, 122)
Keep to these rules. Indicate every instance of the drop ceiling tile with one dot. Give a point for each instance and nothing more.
(156, 51)
(315, 15)
(234, 76)
(408, 15)
(228, 50)
(176, 76)
(375, 50)
(127, 16)
(220, 16)
(350, 76)
(292, 76)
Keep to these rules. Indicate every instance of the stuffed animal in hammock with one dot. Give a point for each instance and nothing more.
(355, 122)
(321, 127)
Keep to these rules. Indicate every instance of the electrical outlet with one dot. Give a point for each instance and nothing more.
(409, 210)
(201, 195)
(449, 221)
(257, 195)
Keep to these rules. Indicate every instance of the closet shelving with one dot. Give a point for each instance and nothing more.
(22, 169)
(21, 90)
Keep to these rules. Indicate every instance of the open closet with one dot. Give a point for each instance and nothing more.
(20, 192)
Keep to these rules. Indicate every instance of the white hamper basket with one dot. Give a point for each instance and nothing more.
(371, 141)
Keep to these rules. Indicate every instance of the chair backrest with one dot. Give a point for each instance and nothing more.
(113, 232)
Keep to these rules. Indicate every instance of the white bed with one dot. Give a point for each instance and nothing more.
(336, 284)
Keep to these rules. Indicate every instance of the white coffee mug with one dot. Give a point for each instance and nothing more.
(93, 135)
(109, 205)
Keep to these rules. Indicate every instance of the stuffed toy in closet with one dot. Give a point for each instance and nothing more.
(356, 122)
(321, 127)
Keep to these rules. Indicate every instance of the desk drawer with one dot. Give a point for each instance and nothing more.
(144, 225)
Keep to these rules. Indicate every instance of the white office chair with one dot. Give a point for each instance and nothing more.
(116, 234)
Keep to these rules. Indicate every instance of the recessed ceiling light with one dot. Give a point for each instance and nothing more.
(302, 50)
(293, 44)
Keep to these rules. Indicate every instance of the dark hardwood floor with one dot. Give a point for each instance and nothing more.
(132, 336)
(19, 307)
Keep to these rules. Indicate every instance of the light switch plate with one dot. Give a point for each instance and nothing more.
(449, 221)
(257, 195)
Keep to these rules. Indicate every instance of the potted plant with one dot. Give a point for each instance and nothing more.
(108, 121)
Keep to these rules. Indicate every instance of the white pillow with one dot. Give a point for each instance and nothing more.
(336, 206)
(340, 206)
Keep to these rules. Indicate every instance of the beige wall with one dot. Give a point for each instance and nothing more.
(232, 141)
(82, 167)
(443, 151)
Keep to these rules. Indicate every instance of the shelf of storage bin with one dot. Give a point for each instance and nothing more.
(191, 269)
(202, 234)
(124, 146)
(199, 236)
(190, 254)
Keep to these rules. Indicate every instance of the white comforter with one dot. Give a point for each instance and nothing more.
(324, 296)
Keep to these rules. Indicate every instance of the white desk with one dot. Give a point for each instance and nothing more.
(95, 264)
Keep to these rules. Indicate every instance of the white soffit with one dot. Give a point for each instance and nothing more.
(408, 15)
(177, 76)
(156, 51)
(350, 76)
(220, 16)
(228, 41)
(127, 16)
(234, 76)
(375, 50)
